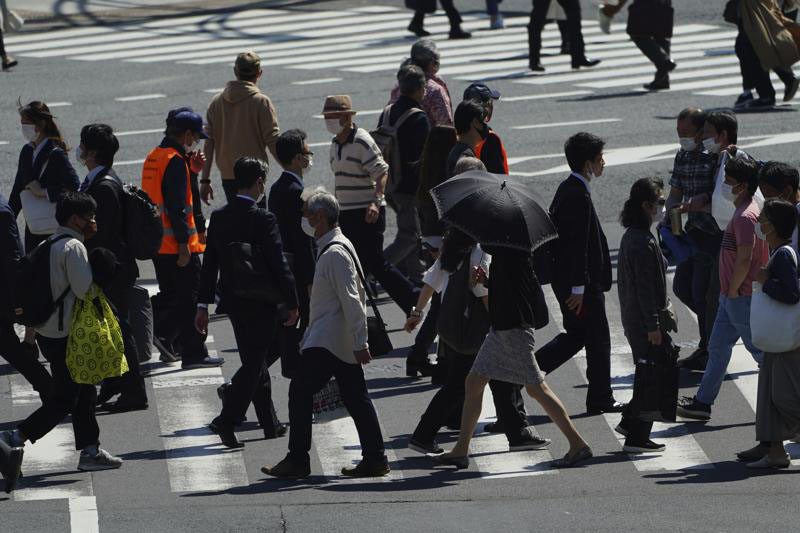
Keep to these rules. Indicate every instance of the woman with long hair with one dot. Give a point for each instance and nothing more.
(440, 141)
(642, 282)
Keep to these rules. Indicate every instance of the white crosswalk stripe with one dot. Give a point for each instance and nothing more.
(377, 41)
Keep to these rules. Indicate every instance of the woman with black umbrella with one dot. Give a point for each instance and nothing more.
(509, 222)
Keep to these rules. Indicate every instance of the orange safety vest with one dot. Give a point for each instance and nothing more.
(502, 149)
(152, 175)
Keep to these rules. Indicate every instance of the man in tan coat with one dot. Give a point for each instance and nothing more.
(241, 122)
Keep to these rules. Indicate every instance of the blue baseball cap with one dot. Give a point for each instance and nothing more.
(186, 119)
(481, 92)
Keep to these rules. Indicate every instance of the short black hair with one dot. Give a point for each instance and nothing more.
(582, 147)
(248, 170)
(782, 215)
(724, 121)
(696, 115)
(100, 139)
(643, 190)
(779, 176)
(745, 171)
(74, 203)
(466, 112)
(290, 143)
(411, 79)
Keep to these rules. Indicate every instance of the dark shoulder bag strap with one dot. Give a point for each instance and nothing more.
(361, 276)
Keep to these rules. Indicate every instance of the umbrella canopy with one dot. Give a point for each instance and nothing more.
(494, 210)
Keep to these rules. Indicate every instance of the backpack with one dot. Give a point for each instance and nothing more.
(34, 302)
(143, 227)
(386, 139)
(463, 320)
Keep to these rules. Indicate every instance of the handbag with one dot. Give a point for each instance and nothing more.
(651, 17)
(95, 350)
(328, 398)
(377, 336)
(39, 211)
(774, 325)
(251, 278)
(656, 383)
(463, 320)
(141, 318)
(731, 12)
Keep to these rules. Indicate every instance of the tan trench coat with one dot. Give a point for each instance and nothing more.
(766, 27)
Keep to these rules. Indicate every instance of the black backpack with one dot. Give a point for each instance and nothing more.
(463, 319)
(34, 302)
(143, 228)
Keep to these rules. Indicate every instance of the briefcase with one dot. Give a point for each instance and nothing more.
(655, 387)
(651, 18)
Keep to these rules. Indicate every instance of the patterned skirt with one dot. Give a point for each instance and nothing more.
(508, 355)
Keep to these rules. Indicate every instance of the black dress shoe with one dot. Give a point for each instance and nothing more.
(494, 427)
(660, 83)
(11, 459)
(613, 407)
(419, 368)
(105, 395)
(458, 462)
(695, 362)
(367, 469)
(536, 66)
(124, 405)
(286, 469)
(418, 30)
(458, 33)
(279, 431)
(226, 433)
(11, 63)
(565, 50)
(585, 62)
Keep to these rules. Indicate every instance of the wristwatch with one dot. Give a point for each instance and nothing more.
(416, 313)
(378, 199)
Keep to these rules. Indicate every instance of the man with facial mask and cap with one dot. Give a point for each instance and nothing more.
(167, 177)
(696, 281)
(361, 173)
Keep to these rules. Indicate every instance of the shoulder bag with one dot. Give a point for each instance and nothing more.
(774, 325)
(39, 211)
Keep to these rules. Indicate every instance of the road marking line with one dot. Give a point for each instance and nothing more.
(138, 132)
(362, 113)
(59, 104)
(140, 97)
(314, 82)
(544, 96)
(571, 123)
(128, 163)
(316, 145)
(83, 515)
(683, 75)
(522, 159)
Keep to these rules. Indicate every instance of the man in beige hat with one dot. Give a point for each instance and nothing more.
(361, 173)
(241, 122)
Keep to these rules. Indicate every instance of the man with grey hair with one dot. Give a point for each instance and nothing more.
(335, 345)
(429, 6)
(436, 101)
(408, 126)
(466, 164)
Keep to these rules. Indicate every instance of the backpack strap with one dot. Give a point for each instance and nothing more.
(59, 302)
(360, 275)
(407, 115)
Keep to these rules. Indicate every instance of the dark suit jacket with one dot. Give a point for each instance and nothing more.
(581, 251)
(58, 176)
(242, 221)
(285, 203)
(10, 254)
(107, 192)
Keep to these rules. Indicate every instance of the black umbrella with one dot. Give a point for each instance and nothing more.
(494, 210)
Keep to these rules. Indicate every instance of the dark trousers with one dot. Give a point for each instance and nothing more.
(572, 28)
(450, 398)
(426, 333)
(286, 344)
(254, 328)
(2, 44)
(12, 350)
(230, 189)
(404, 251)
(753, 75)
(368, 242)
(450, 10)
(68, 398)
(696, 282)
(589, 331)
(174, 321)
(131, 384)
(319, 365)
(656, 49)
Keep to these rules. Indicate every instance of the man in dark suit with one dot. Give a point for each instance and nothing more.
(253, 321)
(572, 8)
(22, 356)
(97, 149)
(286, 203)
(582, 273)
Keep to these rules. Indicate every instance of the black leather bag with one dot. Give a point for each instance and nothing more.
(377, 336)
(656, 383)
(731, 12)
(251, 277)
(651, 18)
(426, 6)
(463, 320)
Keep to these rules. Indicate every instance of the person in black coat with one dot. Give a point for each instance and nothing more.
(642, 289)
(286, 203)
(97, 149)
(20, 355)
(582, 273)
(253, 322)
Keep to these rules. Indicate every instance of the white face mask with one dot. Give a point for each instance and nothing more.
(712, 146)
(29, 132)
(308, 229)
(688, 144)
(78, 153)
(760, 233)
(727, 192)
(333, 126)
(191, 147)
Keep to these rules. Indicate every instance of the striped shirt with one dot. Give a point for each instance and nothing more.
(357, 165)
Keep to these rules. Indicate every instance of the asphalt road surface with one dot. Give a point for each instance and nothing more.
(177, 477)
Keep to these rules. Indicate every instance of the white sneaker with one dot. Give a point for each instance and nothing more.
(604, 21)
(102, 461)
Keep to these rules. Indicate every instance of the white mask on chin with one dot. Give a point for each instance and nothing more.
(711, 145)
(688, 144)
(333, 126)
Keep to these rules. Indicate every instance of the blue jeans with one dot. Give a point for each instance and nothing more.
(732, 323)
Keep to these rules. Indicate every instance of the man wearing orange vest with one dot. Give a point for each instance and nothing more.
(490, 150)
(167, 177)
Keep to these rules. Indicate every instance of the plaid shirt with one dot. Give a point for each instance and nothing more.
(693, 173)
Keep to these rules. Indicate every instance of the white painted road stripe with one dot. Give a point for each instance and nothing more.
(571, 123)
(140, 97)
(315, 82)
(83, 515)
(543, 96)
(138, 132)
(682, 75)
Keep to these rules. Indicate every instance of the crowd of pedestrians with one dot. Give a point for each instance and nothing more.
(294, 269)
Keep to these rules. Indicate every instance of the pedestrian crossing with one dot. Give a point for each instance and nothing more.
(376, 41)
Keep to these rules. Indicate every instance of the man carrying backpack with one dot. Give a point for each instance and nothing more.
(65, 260)
(403, 129)
(96, 150)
